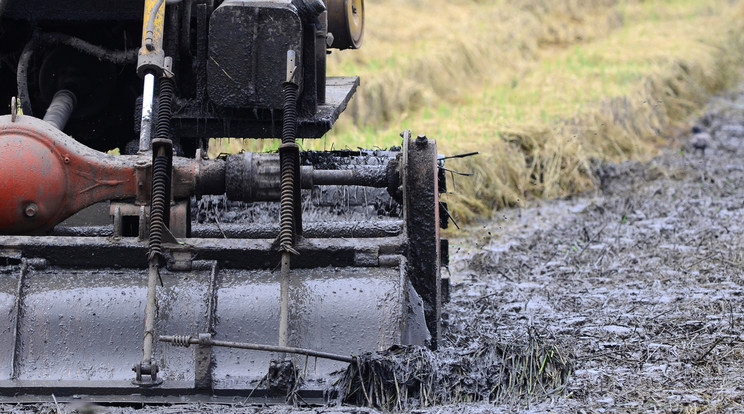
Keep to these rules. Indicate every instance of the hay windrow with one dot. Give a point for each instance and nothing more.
(534, 159)
(405, 377)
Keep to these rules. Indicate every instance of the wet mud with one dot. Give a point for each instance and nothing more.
(642, 281)
(639, 285)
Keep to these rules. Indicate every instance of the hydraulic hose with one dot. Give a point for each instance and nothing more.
(61, 108)
(114, 56)
(22, 76)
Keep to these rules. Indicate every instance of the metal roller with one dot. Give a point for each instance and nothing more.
(346, 23)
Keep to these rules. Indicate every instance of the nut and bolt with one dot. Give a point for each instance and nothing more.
(31, 209)
(421, 139)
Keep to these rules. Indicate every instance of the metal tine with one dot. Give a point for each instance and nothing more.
(17, 316)
(455, 172)
(467, 154)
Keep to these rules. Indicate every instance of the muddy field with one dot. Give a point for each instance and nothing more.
(640, 282)
(638, 287)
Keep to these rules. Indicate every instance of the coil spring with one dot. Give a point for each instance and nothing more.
(162, 130)
(289, 128)
(160, 185)
(287, 220)
(289, 124)
(181, 340)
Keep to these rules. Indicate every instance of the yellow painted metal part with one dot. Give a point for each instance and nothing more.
(157, 29)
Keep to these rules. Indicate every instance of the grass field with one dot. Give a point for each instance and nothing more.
(544, 89)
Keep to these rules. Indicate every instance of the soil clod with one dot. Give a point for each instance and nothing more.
(411, 377)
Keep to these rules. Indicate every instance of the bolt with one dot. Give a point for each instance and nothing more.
(13, 109)
(31, 209)
(421, 139)
(67, 160)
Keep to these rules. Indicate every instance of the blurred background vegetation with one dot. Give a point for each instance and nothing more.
(545, 90)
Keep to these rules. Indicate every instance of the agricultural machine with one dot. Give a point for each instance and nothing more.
(158, 274)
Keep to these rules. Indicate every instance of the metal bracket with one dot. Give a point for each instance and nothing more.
(203, 362)
(150, 370)
(291, 65)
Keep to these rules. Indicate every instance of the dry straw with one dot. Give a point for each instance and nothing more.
(418, 53)
(557, 160)
(545, 90)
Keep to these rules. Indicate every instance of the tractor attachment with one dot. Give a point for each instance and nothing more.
(364, 276)
(159, 274)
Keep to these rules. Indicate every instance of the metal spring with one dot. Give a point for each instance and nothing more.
(162, 130)
(289, 124)
(289, 128)
(181, 340)
(287, 220)
(160, 184)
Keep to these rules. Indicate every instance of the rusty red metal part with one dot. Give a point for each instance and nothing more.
(47, 176)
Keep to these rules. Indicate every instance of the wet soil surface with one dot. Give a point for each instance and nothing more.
(640, 285)
(642, 282)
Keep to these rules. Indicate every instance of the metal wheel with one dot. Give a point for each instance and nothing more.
(346, 23)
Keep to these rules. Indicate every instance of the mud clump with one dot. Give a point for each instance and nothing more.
(283, 378)
(403, 378)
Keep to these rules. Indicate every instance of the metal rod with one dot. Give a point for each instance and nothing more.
(284, 301)
(149, 332)
(467, 154)
(320, 230)
(259, 347)
(291, 211)
(212, 299)
(312, 230)
(146, 122)
(375, 176)
(456, 172)
(16, 326)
